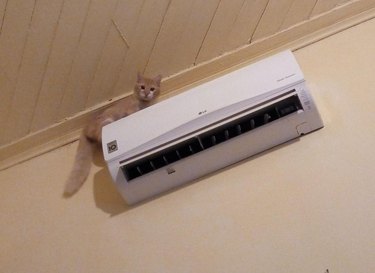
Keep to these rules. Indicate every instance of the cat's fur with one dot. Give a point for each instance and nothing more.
(146, 90)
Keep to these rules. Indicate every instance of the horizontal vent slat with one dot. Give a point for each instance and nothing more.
(212, 137)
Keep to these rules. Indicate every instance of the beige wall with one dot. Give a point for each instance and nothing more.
(306, 206)
(61, 57)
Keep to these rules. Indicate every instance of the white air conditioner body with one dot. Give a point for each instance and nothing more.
(209, 127)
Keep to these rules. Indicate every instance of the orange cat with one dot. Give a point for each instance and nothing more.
(146, 90)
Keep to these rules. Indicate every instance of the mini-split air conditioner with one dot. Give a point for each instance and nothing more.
(209, 127)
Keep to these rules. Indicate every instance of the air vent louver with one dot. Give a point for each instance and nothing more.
(213, 137)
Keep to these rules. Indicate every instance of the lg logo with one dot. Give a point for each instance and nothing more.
(112, 146)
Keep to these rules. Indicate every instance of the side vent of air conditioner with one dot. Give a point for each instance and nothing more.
(235, 127)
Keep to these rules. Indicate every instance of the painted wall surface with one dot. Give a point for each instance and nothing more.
(60, 57)
(306, 206)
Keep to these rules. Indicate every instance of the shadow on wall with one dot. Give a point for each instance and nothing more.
(106, 196)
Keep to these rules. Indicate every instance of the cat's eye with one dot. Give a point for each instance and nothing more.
(143, 87)
(152, 88)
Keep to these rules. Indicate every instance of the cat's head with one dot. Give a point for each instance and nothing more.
(147, 89)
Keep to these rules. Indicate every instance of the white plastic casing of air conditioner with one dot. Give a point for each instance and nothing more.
(208, 127)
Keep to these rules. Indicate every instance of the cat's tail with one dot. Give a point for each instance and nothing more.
(81, 167)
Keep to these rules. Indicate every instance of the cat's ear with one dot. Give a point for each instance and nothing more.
(139, 77)
(158, 78)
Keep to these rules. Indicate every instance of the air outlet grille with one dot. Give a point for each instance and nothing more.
(212, 137)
